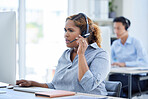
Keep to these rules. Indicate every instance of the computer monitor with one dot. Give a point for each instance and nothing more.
(8, 47)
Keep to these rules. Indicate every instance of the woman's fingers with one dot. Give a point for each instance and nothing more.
(23, 83)
(80, 39)
(19, 81)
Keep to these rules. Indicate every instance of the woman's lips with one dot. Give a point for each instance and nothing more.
(67, 41)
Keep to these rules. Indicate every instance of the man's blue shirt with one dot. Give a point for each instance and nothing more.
(131, 53)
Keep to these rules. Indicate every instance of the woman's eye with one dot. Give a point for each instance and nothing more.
(70, 30)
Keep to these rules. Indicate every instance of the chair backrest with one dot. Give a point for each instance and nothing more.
(106, 41)
(113, 88)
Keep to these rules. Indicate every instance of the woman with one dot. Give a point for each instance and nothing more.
(127, 51)
(83, 67)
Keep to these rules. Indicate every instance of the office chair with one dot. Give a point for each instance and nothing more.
(113, 88)
(144, 91)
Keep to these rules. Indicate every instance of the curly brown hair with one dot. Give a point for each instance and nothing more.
(80, 21)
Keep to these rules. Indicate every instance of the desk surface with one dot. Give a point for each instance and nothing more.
(129, 70)
(11, 94)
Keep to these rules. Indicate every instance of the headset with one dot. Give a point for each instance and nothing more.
(86, 33)
(127, 24)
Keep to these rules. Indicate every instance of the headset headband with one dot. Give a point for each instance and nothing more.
(87, 25)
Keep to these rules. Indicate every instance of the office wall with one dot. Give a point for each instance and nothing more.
(119, 10)
(136, 11)
(77, 6)
(92, 8)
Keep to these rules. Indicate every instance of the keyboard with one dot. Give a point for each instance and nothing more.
(31, 89)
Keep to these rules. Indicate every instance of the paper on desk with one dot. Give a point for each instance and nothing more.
(138, 68)
(130, 68)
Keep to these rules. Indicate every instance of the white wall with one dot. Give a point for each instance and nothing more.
(77, 6)
(92, 8)
(119, 10)
(137, 12)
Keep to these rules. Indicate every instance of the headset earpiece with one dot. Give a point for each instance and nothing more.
(127, 24)
(84, 32)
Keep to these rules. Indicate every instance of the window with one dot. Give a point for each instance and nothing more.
(45, 20)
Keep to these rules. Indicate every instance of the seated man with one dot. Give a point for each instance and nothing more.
(127, 51)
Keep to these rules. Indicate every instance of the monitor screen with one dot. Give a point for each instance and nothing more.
(8, 47)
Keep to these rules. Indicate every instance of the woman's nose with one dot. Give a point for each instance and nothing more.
(66, 34)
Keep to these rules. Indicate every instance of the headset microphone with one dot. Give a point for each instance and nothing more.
(85, 36)
(86, 33)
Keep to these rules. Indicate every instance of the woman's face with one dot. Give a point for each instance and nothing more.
(119, 29)
(71, 32)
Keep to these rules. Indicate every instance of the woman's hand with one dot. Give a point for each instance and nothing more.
(118, 64)
(82, 45)
(24, 83)
(27, 83)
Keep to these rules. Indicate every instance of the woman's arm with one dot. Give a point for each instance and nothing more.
(28, 83)
(98, 71)
(83, 67)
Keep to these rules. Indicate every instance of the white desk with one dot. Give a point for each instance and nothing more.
(129, 72)
(11, 94)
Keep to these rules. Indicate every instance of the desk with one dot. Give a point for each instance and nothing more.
(129, 71)
(11, 94)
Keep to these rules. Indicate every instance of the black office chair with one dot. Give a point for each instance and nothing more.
(113, 88)
(144, 91)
